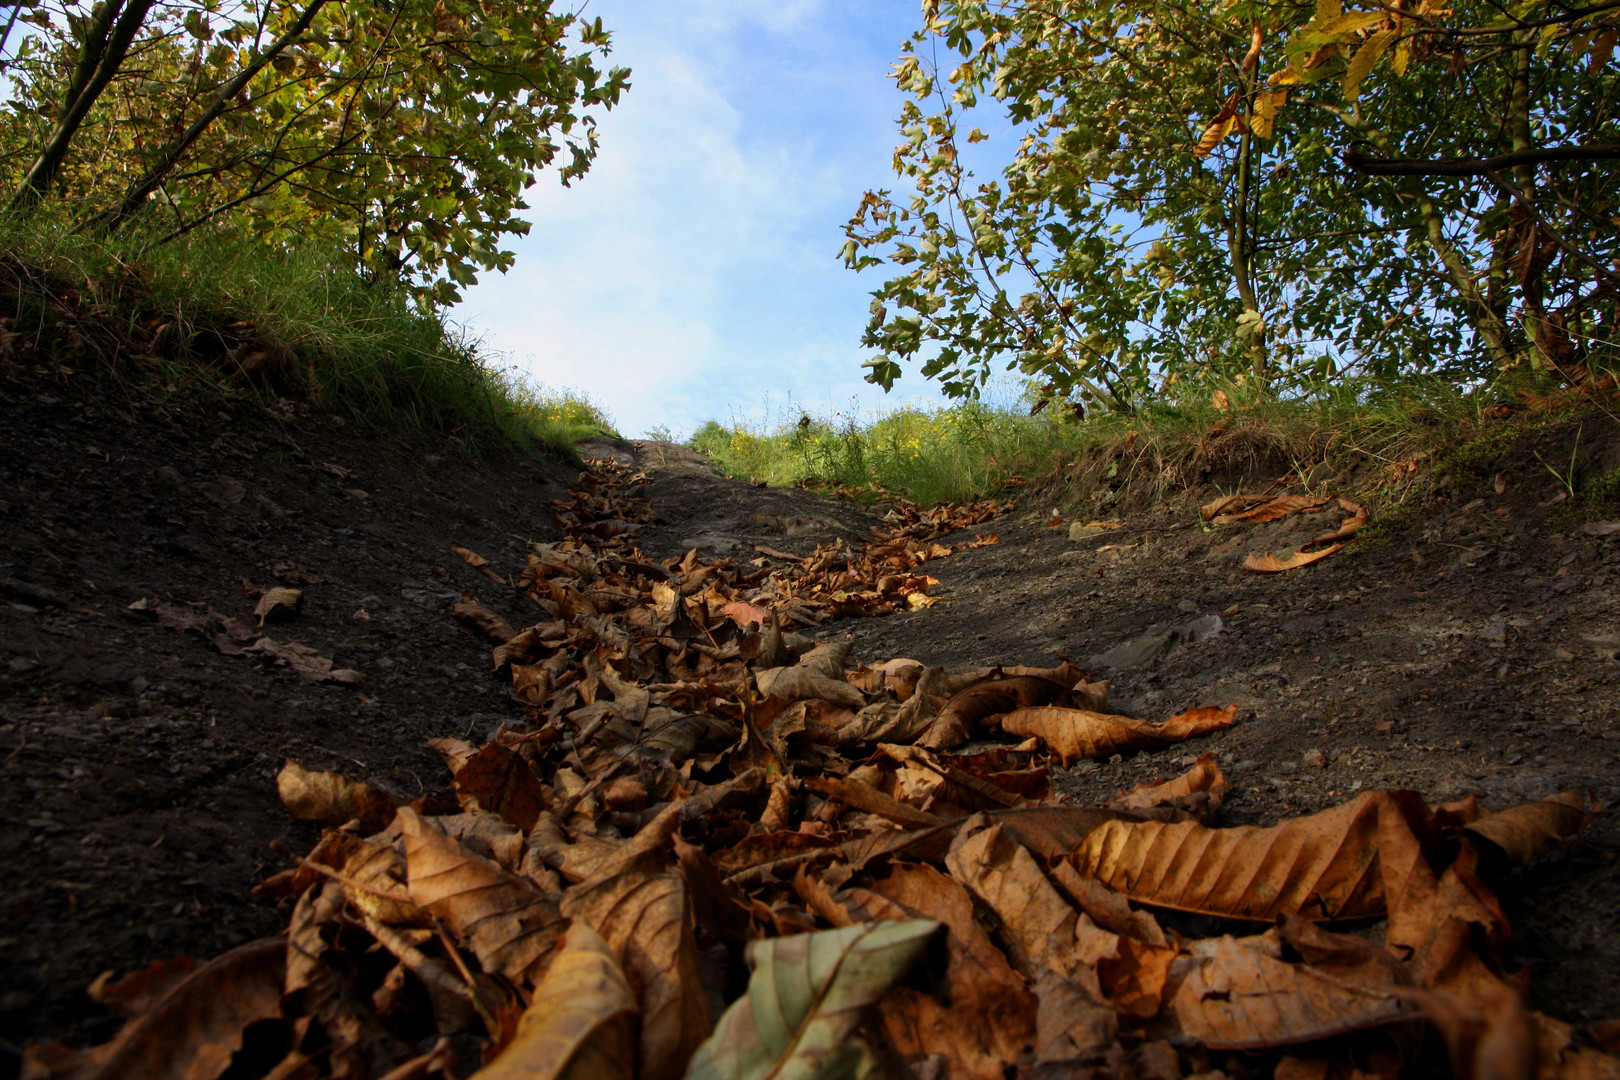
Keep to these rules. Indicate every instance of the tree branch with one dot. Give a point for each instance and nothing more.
(1371, 166)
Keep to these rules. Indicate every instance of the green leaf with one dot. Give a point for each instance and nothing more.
(807, 996)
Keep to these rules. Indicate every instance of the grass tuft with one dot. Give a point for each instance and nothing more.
(1382, 448)
(296, 326)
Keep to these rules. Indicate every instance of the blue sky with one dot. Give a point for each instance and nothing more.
(693, 273)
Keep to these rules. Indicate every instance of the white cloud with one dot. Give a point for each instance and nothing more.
(693, 270)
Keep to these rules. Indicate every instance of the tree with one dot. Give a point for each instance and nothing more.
(1179, 210)
(404, 130)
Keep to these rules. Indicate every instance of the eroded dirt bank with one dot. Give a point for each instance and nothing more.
(139, 800)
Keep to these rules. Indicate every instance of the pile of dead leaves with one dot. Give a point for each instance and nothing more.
(719, 851)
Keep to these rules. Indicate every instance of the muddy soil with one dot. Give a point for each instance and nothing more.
(137, 761)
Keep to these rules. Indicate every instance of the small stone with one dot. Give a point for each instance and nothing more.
(1287, 766)
(626, 793)
(1246, 765)
(1314, 758)
(1188, 606)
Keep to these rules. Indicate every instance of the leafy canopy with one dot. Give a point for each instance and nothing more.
(1203, 194)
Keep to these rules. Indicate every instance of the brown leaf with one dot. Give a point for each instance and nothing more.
(1076, 734)
(644, 916)
(1107, 908)
(510, 927)
(278, 604)
(1267, 510)
(189, 1032)
(964, 713)
(1344, 863)
(1527, 831)
(891, 721)
(971, 791)
(1270, 564)
(478, 620)
(1489, 1036)
(1037, 923)
(1199, 792)
(580, 1024)
(498, 781)
(854, 793)
(987, 1016)
(331, 798)
(1241, 994)
(1229, 504)
(304, 661)
(801, 684)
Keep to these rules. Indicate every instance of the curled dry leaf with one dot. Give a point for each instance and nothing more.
(478, 620)
(1198, 792)
(1077, 734)
(580, 1024)
(806, 999)
(331, 798)
(1270, 564)
(189, 1032)
(278, 604)
(967, 709)
(1526, 832)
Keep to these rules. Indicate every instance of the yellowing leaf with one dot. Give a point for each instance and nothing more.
(1362, 62)
(1270, 564)
(806, 998)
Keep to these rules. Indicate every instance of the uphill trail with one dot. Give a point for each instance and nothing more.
(193, 598)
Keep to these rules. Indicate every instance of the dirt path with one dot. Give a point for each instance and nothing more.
(137, 761)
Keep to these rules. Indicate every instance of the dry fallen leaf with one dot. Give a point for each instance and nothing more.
(1343, 863)
(509, 926)
(1077, 734)
(189, 1032)
(278, 604)
(580, 1024)
(1243, 994)
(1199, 792)
(645, 917)
(806, 999)
(331, 798)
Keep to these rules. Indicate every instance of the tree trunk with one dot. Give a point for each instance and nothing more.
(107, 39)
(1238, 244)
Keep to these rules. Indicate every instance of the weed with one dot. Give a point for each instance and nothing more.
(1565, 479)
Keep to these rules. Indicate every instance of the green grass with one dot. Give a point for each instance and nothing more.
(1348, 440)
(211, 312)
